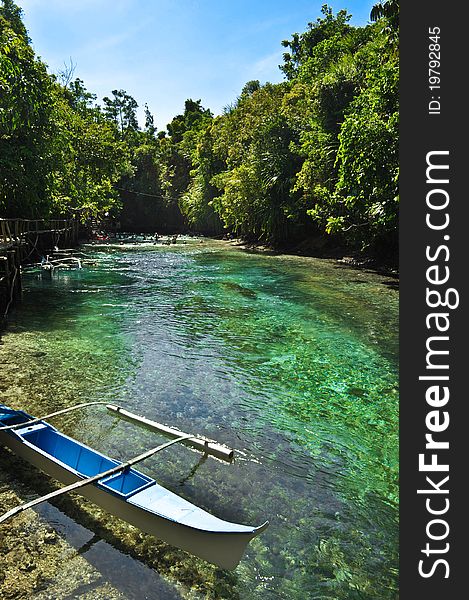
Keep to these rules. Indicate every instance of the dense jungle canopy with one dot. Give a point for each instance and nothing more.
(311, 160)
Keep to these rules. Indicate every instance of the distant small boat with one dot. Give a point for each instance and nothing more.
(49, 264)
(128, 494)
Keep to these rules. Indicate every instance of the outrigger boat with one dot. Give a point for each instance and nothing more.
(122, 490)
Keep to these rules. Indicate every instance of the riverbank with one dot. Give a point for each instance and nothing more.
(321, 250)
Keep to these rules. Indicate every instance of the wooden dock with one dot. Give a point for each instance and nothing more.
(23, 241)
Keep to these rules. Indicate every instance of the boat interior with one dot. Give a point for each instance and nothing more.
(85, 461)
(9, 417)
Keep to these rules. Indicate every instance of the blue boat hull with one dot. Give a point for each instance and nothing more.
(131, 496)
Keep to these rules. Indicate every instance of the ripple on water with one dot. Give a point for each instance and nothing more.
(290, 360)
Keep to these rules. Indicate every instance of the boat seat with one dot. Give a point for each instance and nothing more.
(31, 432)
(127, 483)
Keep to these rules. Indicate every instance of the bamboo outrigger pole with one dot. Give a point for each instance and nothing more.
(50, 415)
(79, 484)
(199, 443)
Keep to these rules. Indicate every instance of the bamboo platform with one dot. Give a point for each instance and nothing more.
(23, 240)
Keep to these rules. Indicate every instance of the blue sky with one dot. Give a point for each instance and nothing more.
(164, 51)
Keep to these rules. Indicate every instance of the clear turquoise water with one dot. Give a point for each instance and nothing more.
(293, 361)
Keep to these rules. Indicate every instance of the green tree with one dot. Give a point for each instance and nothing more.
(254, 140)
(197, 202)
(80, 99)
(13, 14)
(89, 156)
(302, 46)
(389, 10)
(58, 153)
(150, 128)
(26, 99)
(121, 109)
(179, 151)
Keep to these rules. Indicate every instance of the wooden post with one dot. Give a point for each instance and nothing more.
(8, 232)
(15, 285)
(4, 285)
(5, 271)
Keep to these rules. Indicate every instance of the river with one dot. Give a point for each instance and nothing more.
(292, 361)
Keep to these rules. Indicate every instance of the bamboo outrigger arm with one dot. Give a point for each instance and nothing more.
(50, 415)
(199, 443)
(82, 482)
(202, 444)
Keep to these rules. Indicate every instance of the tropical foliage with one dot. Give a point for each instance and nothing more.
(314, 157)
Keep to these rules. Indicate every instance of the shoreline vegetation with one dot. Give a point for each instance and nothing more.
(354, 260)
(308, 162)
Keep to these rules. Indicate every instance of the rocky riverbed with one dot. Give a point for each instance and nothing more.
(72, 549)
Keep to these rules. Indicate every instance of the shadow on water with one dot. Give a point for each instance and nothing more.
(119, 555)
(130, 576)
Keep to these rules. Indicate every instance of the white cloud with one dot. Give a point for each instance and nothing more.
(111, 41)
(267, 67)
